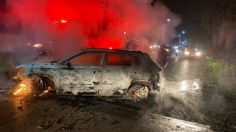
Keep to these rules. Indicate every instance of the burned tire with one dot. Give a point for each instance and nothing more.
(138, 92)
(38, 86)
(42, 86)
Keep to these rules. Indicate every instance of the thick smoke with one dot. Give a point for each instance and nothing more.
(64, 26)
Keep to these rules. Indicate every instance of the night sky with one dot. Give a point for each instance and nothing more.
(191, 13)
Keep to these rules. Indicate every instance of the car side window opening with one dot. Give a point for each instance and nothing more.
(119, 59)
(137, 60)
(87, 59)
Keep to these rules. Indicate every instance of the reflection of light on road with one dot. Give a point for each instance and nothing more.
(185, 67)
(188, 126)
(196, 85)
(183, 71)
(184, 85)
(18, 104)
(189, 85)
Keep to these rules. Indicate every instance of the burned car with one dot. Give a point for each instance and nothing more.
(92, 72)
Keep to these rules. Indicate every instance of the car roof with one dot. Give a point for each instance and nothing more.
(102, 50)
(109, 50)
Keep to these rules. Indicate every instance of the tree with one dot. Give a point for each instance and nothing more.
(219, 20)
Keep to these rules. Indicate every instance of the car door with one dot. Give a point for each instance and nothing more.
(115, 77)
(83, 74)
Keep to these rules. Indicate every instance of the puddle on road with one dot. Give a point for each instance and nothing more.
(184, 86)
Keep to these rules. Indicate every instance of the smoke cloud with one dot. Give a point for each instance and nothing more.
(64, 26)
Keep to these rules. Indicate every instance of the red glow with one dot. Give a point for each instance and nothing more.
(75, 24)
(93, 17)
(94, 23)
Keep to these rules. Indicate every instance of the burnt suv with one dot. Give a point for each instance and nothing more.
(93, 72)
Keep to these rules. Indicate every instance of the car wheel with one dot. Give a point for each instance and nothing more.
(38, 86)
(138, 92)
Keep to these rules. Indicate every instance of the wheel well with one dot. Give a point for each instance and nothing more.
(145, 83)
(47, 81)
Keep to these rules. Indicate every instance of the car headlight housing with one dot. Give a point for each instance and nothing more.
(167, 50)
(198, 53)
(19, 71)
(186, 53)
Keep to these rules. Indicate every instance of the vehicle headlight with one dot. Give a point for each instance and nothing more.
(167, 50)
(186, 53)
(198, 53)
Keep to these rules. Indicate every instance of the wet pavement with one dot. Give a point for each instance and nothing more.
(184, 75)
(188, 95)
(85, 115)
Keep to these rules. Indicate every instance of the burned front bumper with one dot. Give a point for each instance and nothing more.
(21, 84)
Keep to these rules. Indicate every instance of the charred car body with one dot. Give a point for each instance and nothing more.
(95, 72)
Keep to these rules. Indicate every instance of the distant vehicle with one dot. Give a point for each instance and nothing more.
(92, 72)
(192, 53)
(173, 50)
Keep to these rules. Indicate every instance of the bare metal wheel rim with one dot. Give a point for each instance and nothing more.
(38, 85)
(139, 92)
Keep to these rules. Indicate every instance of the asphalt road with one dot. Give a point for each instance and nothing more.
(177, 108)
(189, 95)
(179, 69)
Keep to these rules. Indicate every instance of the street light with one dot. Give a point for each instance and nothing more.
(181, 42)
(168, 19)
(163, 29)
